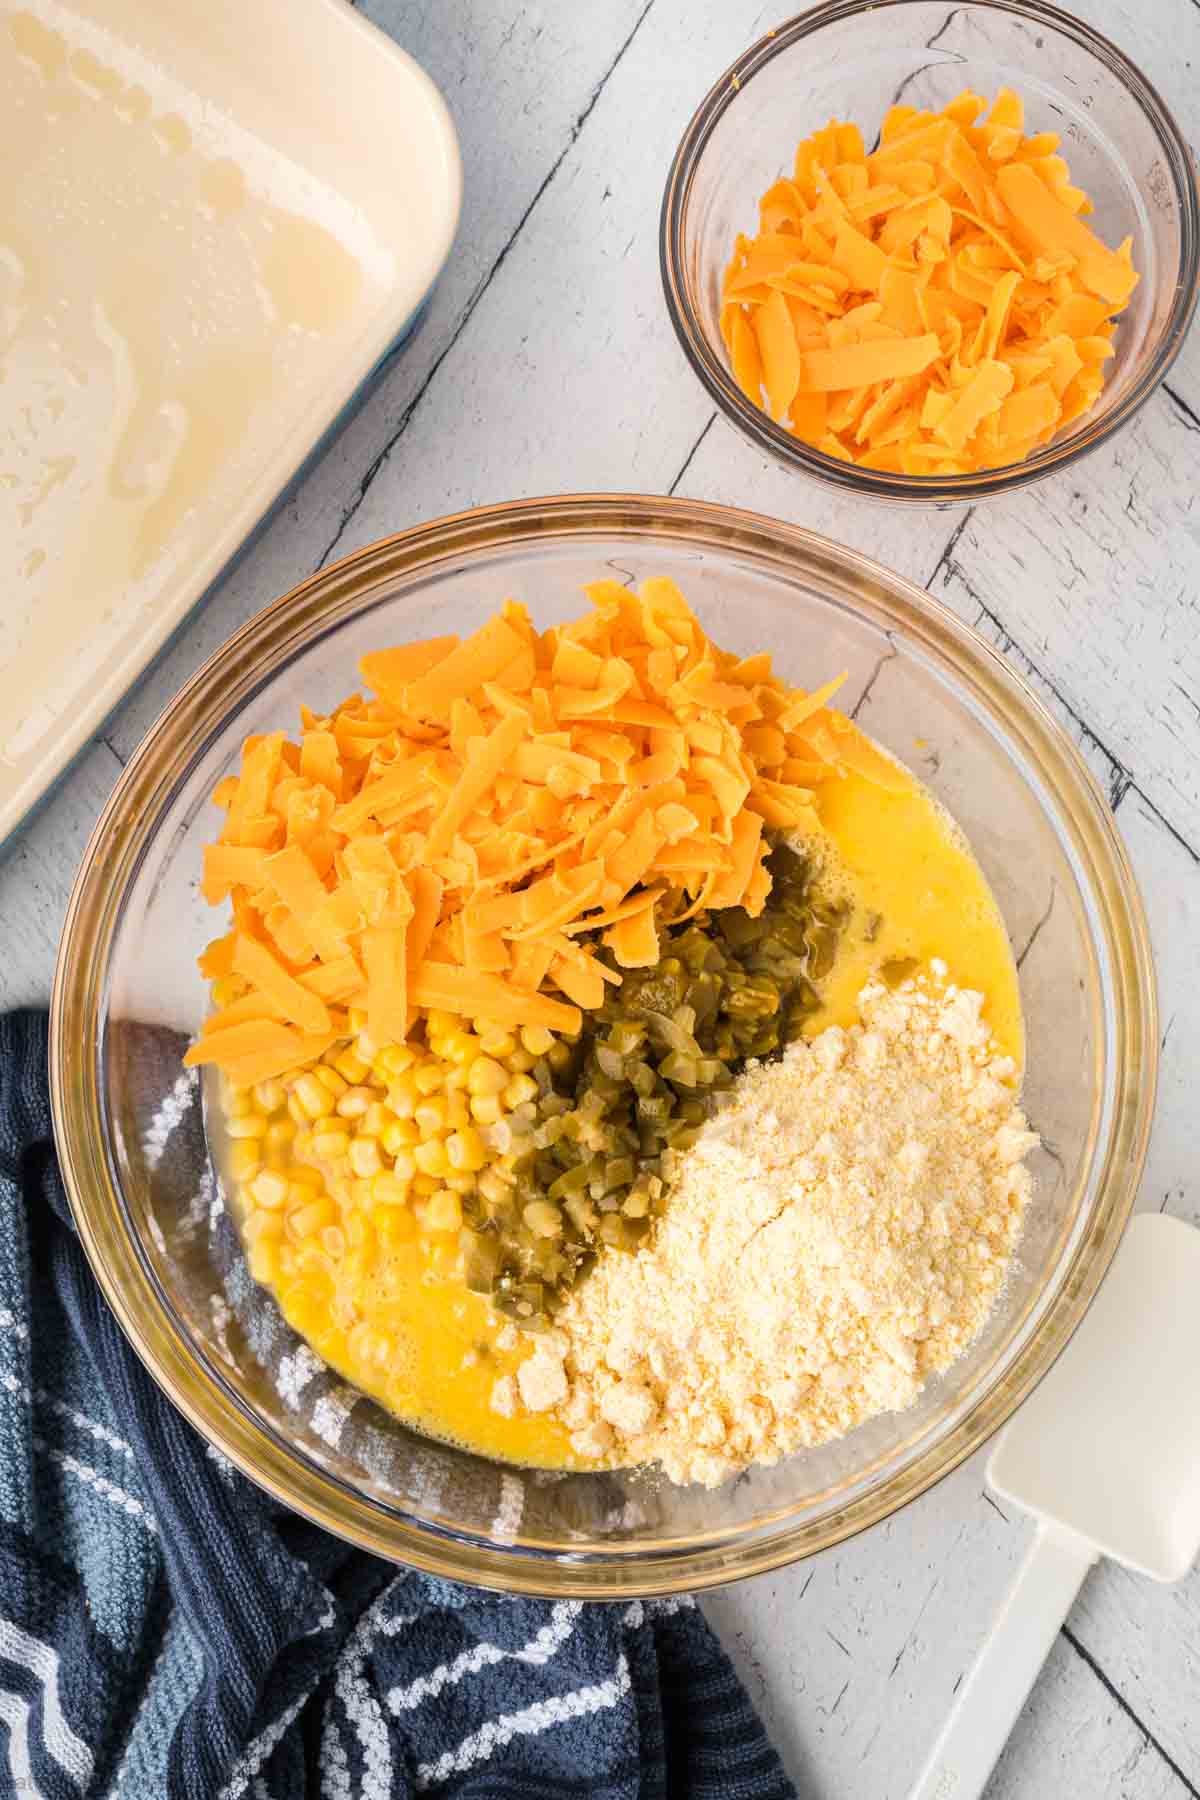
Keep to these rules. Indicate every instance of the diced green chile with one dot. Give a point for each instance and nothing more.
(618, 1106)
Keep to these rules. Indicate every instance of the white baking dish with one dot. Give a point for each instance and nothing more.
(215, 223)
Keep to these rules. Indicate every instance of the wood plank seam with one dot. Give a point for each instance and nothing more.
(1115, 1694)
(1123, 781)
(1190, 418)
(687, 461)
(573, 134)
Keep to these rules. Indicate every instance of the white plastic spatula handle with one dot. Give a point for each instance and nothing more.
(986, 1706)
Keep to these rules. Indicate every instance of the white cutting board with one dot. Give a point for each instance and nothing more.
(215, 221)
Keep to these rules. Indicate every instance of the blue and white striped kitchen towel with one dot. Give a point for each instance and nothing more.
(168, 1632)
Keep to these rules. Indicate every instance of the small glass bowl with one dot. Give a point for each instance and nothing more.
(852, 60)
(128, 995)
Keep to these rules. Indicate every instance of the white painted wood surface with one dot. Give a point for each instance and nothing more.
(546, 363)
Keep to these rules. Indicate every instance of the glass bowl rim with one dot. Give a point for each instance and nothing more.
(249, 660)
(921, 490)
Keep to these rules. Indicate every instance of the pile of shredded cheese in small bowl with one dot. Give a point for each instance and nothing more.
(931, 307)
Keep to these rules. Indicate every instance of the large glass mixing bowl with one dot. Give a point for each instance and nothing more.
(128, 993)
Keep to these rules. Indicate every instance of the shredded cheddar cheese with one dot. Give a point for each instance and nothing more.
(933, 307)
(466, 840)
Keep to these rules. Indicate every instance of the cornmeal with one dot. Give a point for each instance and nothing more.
(838, 1234)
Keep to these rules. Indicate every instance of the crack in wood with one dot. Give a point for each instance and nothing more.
(1115, 1694)
(937, 37)
(888, 656)
(945, 560)
(687, 461)
(1037, 930)
(1191, 419)
(1009, 644)
(373, 468)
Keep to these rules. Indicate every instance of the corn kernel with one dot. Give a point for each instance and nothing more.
(398, 1135)
(262, 1225)
(364, 1156)
(333, 1242)
(395, 1226)
(357, 1018)
(343, 1309)
(244, 1159)
(429, 1076)
(466, 1150)
(445, 1259)
(404, 1168)
(424, 1185)
(462, 1046)
(462, 1182)
(305, 1307)
(497, 1042)
(270, 1096)
(361, 1190)
(443, 1211)
(350, 1065)
(313, 1096)
(486, 1076)
(441, 1022)
(252, 1126)
(359, 1231)
(430, 1157)
(375, 1119)
(536, 1039)
(327, 1144)
(519, 1090)
(492, 1185)
(457, 1075)
(486, 1109)
(308, 1219)
(263, 1260)
(430, 1117)
(366, 1047)
(302, 1176)
(393, 1060)
(331, 1079)
(354, 1102)
(520, 1062)
(403, 1095)
(389, 1190)
(312, 1261)
(369, 1346)
(295, 1110)
(279, 1134)
(269, 1189)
